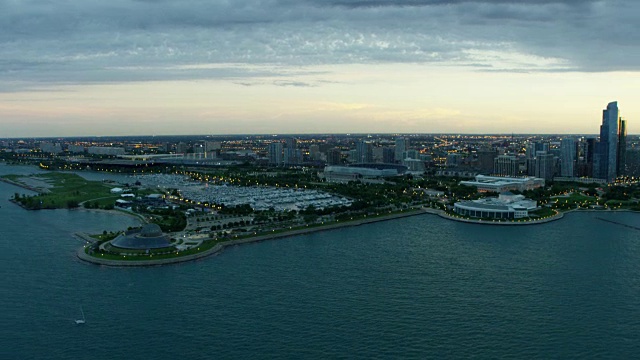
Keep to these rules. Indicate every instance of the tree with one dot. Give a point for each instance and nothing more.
(310, 218)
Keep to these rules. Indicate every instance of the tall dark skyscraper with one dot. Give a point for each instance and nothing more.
(364, 152)
(608, 145)
(388, 155)
(545, 166)
(486, 160)
(567, 157)
(586, 155)
(334, 156)
(622, 147)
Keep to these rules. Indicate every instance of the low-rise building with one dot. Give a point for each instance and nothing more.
(506, 206)
(503, 184)
(102, 150)
(345, 174)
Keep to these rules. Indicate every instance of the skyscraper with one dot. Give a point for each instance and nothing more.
(364, 152)
(314, 152)
(567, 157)
(608, 145)
(401, 147)
(506, 165)
(388, 155)
(633, 162)
(275, 153)
(544, 165)
(622, 147)
(334, 156)
(485, 160)
(584, 157)
(291, 153)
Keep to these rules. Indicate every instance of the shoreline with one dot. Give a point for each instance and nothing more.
(21, 185)
(444, 215)
(116, 212)
(221, 246)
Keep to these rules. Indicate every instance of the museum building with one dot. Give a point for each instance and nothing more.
(505, 206)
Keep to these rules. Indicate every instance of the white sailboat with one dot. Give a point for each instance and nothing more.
(83, 320)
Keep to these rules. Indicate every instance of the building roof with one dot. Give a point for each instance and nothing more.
(482, 206)
(149, 237)
(493, 203)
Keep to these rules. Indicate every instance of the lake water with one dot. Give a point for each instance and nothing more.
(419, 287)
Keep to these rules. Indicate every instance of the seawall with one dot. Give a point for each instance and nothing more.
(444, 215)
(220, 247)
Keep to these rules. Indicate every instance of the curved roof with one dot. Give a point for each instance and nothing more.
(151, 230)
(149, 237)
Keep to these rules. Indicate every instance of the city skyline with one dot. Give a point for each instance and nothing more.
(263, 67)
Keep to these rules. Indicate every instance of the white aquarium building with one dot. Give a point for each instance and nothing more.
(506, 206)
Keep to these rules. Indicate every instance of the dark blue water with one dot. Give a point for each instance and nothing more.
(419, 287)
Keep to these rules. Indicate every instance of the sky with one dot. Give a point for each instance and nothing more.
(162, 67)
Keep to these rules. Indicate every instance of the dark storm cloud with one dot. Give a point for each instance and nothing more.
(53, 42)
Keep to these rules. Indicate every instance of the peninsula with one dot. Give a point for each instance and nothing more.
(205, 195)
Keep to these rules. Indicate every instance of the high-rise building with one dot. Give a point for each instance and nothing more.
(291, 154)
(541, 146)
(334, 156)
(567, 157)
(199, 149)
(454, 159)
(632, 162)
(181, 148)
(607, 158)
(622, 147)
(411, 154)
(364, 152)
(376, 152)
(544, 165)
(388, 155)
(486, 161)
(275, 153)
(314, 152)
(212, 146)
(584, 157)
(506, 165)
(402, 144)
(530, 150)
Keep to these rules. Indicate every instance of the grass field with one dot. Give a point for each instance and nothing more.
(66, 191)
(573, 201)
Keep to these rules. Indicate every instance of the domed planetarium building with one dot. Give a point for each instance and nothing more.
(148, 237)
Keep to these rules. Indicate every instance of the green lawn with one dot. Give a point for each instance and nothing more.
(67, 191)
(573, 201)
(542, 212)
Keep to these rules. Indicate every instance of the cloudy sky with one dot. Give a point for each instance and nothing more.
(117, 67)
